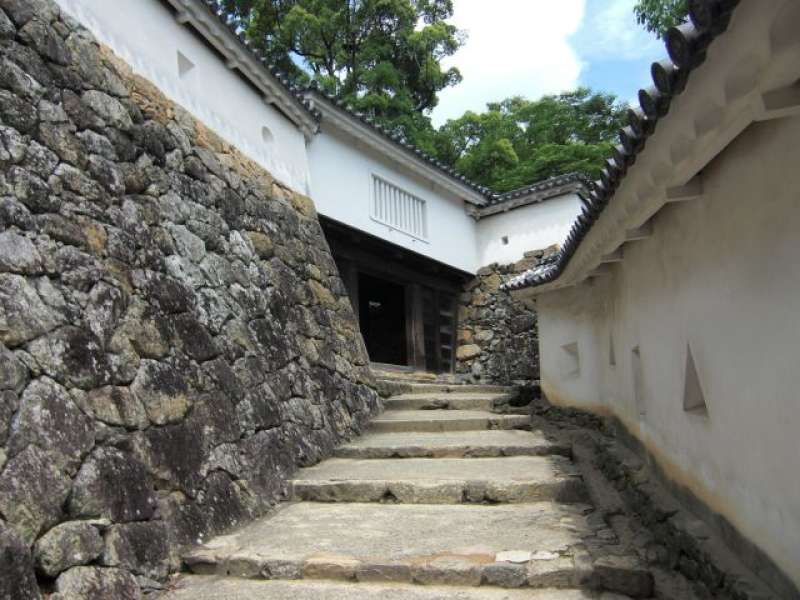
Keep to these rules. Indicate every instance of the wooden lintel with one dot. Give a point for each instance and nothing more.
(692, 190)
(640, 233)
(783, 102)
(613, 257)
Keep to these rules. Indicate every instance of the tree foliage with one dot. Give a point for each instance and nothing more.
(381, 56)
(518, 142)
(658, 16)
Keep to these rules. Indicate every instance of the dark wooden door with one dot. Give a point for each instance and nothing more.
(439, 327)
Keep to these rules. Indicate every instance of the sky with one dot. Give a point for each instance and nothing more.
(537, 47)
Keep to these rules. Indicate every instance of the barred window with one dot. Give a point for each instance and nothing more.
(398, 209)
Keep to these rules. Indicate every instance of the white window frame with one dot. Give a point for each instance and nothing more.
(408, 209)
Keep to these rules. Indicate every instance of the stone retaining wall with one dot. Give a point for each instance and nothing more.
(498, 340)
(174, 336)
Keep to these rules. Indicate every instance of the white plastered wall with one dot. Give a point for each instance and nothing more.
(342, 171)
(146, 36)
(527, 228)
(722, 275)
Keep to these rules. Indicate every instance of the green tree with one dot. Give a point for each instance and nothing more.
(518, 142)
(381, 56)
(658, 16)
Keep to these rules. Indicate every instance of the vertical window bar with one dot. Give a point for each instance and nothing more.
(405, 212)
(382, 187)
(396, 204)
(392, 218)
(398, 195)
(376, 192)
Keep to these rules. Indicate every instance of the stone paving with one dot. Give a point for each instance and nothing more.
(444, 500)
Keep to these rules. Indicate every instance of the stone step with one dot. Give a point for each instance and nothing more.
(445, 420)
(441, 480)
(448, 401)
(195, 587)
(466, 444)
(407, 387)
(512, 545)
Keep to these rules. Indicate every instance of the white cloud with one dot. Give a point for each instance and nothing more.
(515, 47)
(613, 33)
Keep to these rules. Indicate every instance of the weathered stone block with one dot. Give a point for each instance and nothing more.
(18, 254)
(227, 503)
(40, 160)
(322, 294)
(75, 180)
(141, 548)
(467, 352)
(93, 583)
(174, 454)
(32, 492)
(23, 315)
(109, 109)
(96, 143)
(108, 174)
(7, 29)
(50, 419)
(195, 339)
(114, 485)
(484, 336)
(17, 578)
(262, 244)
(16, 112)
(43, 38)
(27, 187)
(621, 575)
(60, 139)
(258, 409)
(162, 391)
(72, 355)
(187, 244)
(116, 406)
(13, 374)
(22, 11)
(169, 295)
(67, 545)
(9, 403)
(78, 269)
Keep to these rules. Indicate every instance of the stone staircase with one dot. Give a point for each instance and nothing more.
(448, 496)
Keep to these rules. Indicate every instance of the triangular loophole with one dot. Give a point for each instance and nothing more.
(694, 400)
(185, 66)
(570, 360)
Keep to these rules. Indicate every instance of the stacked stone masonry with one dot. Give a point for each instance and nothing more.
(174, 336)
(498, 336)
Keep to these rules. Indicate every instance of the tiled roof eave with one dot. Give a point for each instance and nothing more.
(203, 15)
(571, 183)
(687, 46)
